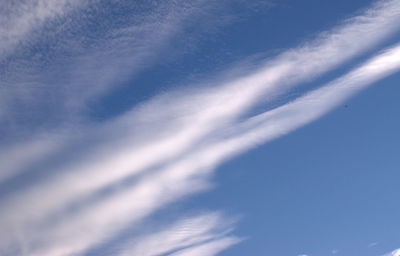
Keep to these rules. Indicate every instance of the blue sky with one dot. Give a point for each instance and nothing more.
(199, 127)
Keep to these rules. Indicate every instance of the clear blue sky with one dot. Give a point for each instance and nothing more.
(199, 128)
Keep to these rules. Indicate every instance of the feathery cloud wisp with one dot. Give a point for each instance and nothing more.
(207, 230)
(195, 139)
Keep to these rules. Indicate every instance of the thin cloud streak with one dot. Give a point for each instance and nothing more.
(208, 249)
(291, 116)
(182, 235)
(372, 244)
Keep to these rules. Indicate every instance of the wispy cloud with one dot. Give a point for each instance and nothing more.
(393, 253)
(82, 55)
(206, 234)
(187, 174)
(292, 67)
(373, 244)
(165, 149)
(208, 249)
(54, 100)
(20, 20)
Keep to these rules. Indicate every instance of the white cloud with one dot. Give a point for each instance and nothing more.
(188, 174)
(19, 19)
(186, 234)
(171, 144)
(71, 83)
(208, 249)
(191, 120)
(89, 72)
(393, 253)
(373, 244)
(80, 64)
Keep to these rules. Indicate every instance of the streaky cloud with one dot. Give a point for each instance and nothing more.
(292, 67)
(196, 138)
(208, 249)
(237, 96)
(183, 235)
(89, 51)
(190, 174)
(31, 97)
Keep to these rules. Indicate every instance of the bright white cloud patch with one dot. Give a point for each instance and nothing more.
(394, 253)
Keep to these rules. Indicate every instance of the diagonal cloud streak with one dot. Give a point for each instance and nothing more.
(208, 249)
(206, 230)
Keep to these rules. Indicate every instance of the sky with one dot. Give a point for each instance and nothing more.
(199, 128)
